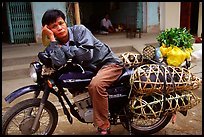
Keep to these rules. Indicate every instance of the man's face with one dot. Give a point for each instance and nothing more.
(59, 28)
(107, 16)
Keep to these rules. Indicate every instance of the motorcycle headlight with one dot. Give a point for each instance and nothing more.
(35, 71)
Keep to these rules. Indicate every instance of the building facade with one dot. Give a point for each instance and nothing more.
(22, 20)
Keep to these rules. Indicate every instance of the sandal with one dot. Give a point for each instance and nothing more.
(103, 131)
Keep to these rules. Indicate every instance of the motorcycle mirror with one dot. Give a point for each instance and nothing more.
(45, 59)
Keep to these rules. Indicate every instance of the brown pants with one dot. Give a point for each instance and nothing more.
(97, 90)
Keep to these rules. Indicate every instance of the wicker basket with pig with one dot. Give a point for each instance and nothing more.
(149, 78)
(154, 84)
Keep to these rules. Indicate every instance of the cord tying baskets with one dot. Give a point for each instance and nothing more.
(150, 78)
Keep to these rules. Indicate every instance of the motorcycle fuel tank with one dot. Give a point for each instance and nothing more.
(75, 80)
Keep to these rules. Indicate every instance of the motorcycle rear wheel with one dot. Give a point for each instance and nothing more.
(146, 126)
(19, 119)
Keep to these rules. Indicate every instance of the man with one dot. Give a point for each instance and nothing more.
(78, 43)
(106, 24)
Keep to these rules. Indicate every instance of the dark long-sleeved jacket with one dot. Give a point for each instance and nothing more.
(82, 46)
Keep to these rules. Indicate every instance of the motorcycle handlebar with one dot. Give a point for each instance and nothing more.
(48, 62)
(90, 67)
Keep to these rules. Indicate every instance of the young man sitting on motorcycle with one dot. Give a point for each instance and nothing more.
(78, 43)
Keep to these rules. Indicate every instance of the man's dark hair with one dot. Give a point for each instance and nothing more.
(106, 13)
(50, 16)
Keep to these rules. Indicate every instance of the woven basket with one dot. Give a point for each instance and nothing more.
(130, 59)
(149, 52)
(150, 78)
(152, 106)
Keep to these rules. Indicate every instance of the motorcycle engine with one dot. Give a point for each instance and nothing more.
(85, 109)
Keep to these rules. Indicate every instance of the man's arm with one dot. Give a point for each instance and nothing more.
(85, 43)
(56, 54)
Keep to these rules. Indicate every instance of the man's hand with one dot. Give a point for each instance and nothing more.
(47, 32)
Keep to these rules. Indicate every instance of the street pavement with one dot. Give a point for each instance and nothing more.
(184, 125)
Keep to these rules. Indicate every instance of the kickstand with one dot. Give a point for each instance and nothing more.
(129, 122)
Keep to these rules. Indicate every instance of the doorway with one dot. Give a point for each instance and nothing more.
(17, 24)
(194, 18)
(189, 16)
(93, 12)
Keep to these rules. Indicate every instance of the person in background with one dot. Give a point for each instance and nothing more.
(106, 24)
(78, 43)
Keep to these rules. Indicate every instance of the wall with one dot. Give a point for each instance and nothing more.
(153, 17)
(38, 9)
(171, 16)
(162, 15)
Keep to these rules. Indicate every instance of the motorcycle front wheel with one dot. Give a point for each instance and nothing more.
(18, 120)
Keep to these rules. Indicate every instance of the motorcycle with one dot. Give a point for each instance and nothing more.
(39, 116)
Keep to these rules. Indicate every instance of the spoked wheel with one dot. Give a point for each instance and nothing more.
(18, 120)
(145, 126)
